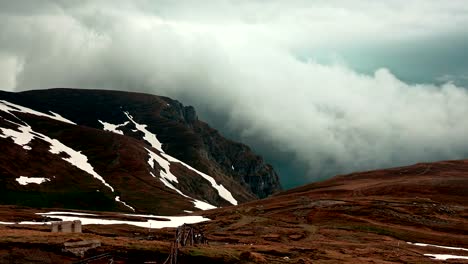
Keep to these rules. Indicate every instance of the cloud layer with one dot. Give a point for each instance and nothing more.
(273, 74)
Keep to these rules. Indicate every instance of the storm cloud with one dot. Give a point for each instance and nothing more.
(318, 88)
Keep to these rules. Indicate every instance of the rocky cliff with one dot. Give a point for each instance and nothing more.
(232, 158)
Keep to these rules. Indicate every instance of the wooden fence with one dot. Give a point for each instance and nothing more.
(185, 235)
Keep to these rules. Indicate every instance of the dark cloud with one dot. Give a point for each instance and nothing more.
(256, 70)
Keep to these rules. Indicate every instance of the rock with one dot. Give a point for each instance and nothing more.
(234, 159)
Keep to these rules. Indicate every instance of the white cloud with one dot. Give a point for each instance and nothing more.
(245, 59)
(452, 78)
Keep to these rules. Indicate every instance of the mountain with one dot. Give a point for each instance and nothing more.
(109, 150)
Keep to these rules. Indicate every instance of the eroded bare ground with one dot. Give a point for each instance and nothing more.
(360, 218)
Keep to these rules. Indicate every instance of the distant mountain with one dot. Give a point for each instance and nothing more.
(109, 150)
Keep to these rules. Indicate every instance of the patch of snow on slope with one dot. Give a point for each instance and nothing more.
(167, 176)
(174, 221)
(178, 220)
(222, 191)
(75, 158)
(441, 256)
(113, 128)
(445, 256)
(25, 223)
(117, 199)
(61, 118)
(10, 107)
(164, 164)
(147, 135)
(170, 186)
(22, 138)
(154, 142)
(430, 245)
(23, 180)
(203, 205)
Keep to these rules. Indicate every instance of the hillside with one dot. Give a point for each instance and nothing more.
(365, 217)
(413, 214)
(118, 151)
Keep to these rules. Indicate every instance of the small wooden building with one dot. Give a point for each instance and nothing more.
(66, 227)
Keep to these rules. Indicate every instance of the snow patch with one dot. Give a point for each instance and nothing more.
(222, 191)
(166, 176)
(170, 186)
(117, 199)
(430, 245)
(173, 221)
(22, 138)
(25, 223)
(445, 256)
(10, 107)
(61, 118)
(75, 158)
(203, 205)
(147, 135)
(164, 164)
(23, 180)
(441, 256)
(113, 128)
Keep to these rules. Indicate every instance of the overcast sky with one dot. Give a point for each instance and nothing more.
(317, 87)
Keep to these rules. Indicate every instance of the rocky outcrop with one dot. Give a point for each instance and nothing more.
(232, 158)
